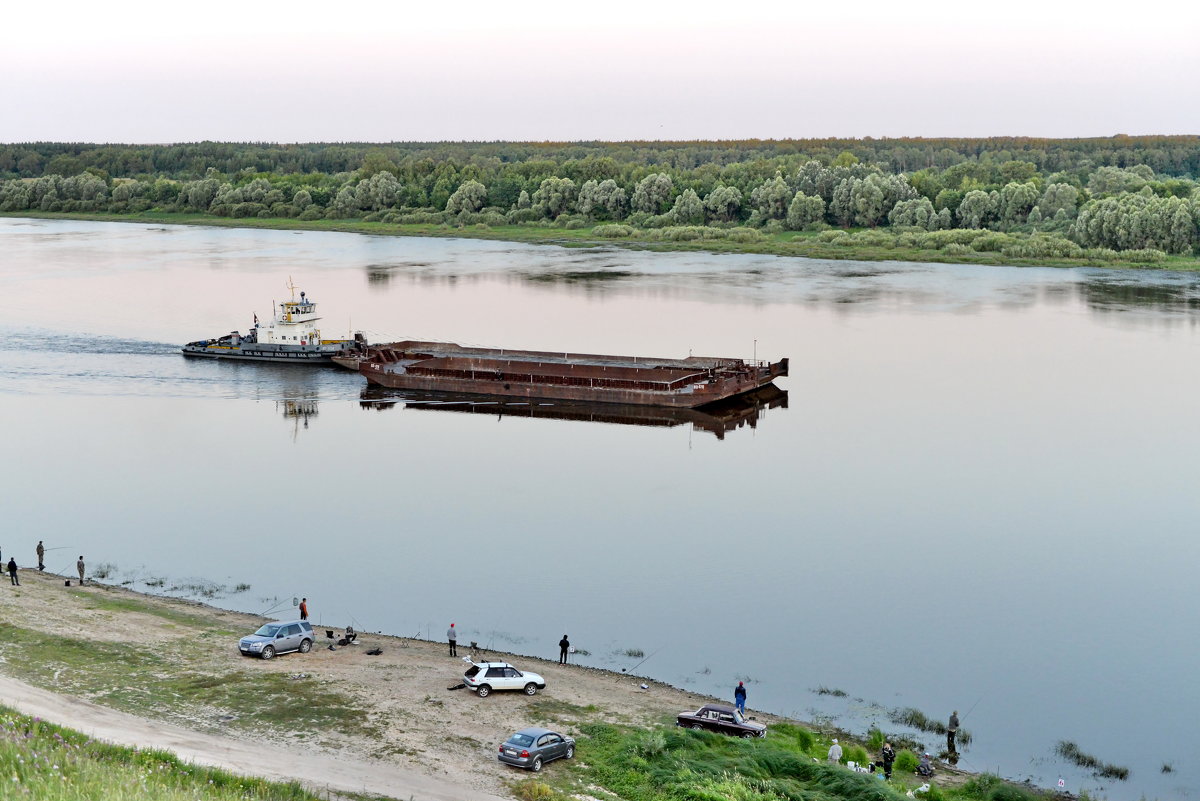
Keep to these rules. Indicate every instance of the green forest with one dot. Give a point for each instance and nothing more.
(1116, 200)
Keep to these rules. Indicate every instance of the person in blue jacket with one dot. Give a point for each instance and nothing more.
(739, 697)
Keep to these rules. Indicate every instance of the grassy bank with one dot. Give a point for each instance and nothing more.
(671, 764)
(951, 247)
(44, 762)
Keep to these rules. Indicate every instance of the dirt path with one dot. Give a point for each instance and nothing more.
(317, 772)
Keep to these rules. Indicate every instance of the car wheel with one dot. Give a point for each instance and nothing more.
(536, 765)
(697, 726)
(269, 652)
(531, 689)
(483, 690)
(305, 646)
(746, 735)
(570, 752)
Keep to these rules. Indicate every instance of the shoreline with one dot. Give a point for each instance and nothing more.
(577, 694)
(791, 245)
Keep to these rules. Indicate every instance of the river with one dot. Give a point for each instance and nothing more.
(977, 496)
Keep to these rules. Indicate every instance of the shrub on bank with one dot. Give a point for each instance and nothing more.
(906, 762)
(613, 231)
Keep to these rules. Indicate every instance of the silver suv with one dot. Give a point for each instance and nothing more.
(484, 677)
(278, 638)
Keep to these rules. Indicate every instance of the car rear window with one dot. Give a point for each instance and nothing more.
(471, 671)
(523, 740)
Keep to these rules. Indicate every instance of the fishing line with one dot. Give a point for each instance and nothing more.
(639, 664)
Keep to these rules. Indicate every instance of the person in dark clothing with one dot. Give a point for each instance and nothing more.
(12, 571)
(888, 755)
(926, 767)
(563, 646)
(952, 732)
(739, 697)
(41, 552)
(304, 609)
(452, 636)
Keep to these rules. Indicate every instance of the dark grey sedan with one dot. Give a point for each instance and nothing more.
(532, 748)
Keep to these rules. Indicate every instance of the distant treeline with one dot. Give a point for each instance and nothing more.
(1076, 198)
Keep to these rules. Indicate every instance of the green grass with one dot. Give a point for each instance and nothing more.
(671, 764)
(786, 243)
(95, 600)
(49, 763)
(156, 681)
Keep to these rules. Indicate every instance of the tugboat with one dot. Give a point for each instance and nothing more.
(291, 337)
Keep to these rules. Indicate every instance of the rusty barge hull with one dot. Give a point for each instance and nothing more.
(542, 375)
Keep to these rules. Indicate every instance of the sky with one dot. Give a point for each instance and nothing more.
(259, 70)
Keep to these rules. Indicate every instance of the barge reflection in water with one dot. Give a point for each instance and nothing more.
(716, 418)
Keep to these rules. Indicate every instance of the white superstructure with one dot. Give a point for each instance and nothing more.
(294, 324)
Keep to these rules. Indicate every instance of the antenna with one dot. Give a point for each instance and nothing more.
(292, 287)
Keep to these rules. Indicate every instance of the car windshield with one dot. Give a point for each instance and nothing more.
(737, 716)
(268, 630)
(523, 740)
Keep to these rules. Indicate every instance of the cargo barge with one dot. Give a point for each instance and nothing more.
(291, 337)
(588, 378)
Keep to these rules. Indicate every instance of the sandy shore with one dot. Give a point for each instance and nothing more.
(417, 738)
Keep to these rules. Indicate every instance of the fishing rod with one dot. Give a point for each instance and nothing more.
(972, 709)
(639, 664)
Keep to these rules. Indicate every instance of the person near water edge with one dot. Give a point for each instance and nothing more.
(739, 697)
(888, 755)
(452, 636)
(79, 567)
(41, 552)
(835, 752)
(12, 571)
(951, 732)
(563, 646)
(304, 609)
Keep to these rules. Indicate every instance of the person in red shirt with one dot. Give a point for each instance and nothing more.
(304, 609)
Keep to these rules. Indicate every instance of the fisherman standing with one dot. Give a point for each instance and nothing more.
(835, 752)
(79, 567)
(12, 571)
(739, 697)
(41, 552)
(452, 636)
(951, 732)
(304, 609)
(888, 755)
(564, 645)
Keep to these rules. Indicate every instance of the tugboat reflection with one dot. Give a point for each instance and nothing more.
(717, 418)
(298, 410)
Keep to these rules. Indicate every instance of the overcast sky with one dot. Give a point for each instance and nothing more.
(134, 71)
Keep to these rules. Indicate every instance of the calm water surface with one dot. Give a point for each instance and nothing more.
(980, 495)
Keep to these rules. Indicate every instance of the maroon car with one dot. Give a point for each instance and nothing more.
(720, 718)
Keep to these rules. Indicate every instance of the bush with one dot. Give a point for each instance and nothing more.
(522, 215)
(956, 249)
(878, 239)
(875, 739)
(533, 790)
(613, 231)
(906, 762)
(1144, 255)
(856, 754)
(831, 236)
(990, 242)
(744, 235)
(311, 213)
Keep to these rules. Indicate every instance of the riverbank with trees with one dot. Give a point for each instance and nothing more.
(1120, 201)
